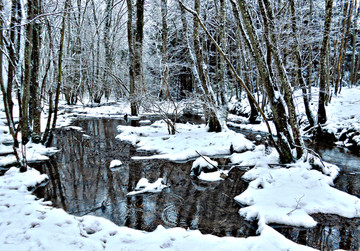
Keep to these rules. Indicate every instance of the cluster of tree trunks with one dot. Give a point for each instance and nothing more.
(214, 54)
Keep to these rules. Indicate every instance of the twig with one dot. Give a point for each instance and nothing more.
(206, 159)
(297, 205)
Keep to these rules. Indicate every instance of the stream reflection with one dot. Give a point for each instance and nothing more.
(82, 183)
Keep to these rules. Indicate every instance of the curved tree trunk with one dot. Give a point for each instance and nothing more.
(273, 92)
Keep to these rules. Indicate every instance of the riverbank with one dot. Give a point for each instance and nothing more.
(291, 194)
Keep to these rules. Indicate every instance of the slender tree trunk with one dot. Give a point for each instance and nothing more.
(343, 45)
(138, 46)
(34, 103)
(190, 50)
(310, 65)
(354, 41)
(213, 121)
(7, 105)
(59, 74)
(107, 45)
(299, 74)
(324, 51)
(164, 86)
(130, 33)
(13, 56)
(25, 98)
(284, 80)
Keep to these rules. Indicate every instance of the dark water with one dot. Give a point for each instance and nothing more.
(82, 183)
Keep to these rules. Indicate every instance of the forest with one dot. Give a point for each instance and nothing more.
(211, 51)
(285, 73)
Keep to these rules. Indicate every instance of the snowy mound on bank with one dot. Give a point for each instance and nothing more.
(206, 169)
(184, 144)
(30, 224)
(289, 195)
(32, 152)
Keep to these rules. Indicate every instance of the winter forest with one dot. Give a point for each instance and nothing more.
(174, 124)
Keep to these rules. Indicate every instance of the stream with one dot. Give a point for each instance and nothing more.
(82, 183)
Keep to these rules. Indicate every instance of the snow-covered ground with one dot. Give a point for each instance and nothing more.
(276, 194)
(343, 114)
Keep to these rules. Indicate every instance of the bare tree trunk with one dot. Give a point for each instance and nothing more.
(342, 49)
(253, 110)
(130, 34)
(284, 80)
(138, 46)
(7, 104)
(324, 51)
(272, 90)
(353, 56)
(190, 50)
(59, 75)
(299, 74)
(164, 86)
(107, 45)
(34, 103)
(45, 135)
(310, 65)
(213, 121)
(25, 98)
(13, 56)
(222, 43)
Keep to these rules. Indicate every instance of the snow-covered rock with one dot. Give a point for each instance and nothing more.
(144, 186)
(115, 163)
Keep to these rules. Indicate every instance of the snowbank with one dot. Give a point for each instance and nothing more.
(184, 144)
(30, 224)
(289, 195)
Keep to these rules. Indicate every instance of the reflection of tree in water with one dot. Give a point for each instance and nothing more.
(332, 232)
(82, 183)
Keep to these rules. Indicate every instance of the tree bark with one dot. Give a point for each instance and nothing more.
(164, 92)
(25, 98)
(59, 74)
(343, 44)
(276, 101)
(299, 63)
(138, 46)
(324, 51)
(213, 121)
(284, 80)
(34, 103)
(353, 56)
(107, 45)
(130, 36)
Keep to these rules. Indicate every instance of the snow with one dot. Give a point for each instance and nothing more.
(214, 176)
(343, 113)
(204, 162)
(289, 195)
(184, 144)
(212, 173)
(30, 224)
(276, 194)
(144, 186)
(32, 152)
(115, 163)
